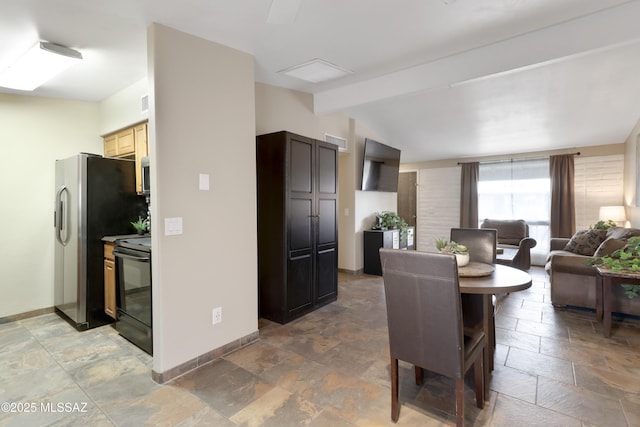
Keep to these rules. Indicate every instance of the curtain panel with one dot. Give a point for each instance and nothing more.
(563, 212)
(469, 195)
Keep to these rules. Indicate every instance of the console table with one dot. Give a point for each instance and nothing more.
(376, 239)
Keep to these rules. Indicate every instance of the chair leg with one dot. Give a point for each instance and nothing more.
(460, 402)
(395, 405)
(419, 375)
(478, 379)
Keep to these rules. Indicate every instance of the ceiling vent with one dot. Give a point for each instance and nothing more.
(336, 140)
(144, 104)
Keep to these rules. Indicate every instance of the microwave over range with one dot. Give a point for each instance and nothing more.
(146, 185)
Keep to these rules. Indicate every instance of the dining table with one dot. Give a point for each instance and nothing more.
(478, 284)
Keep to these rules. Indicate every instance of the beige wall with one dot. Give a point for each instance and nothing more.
(123, 109)
(631, 157)
(283, 109)
(202, 121)
(34, 133)
(367, 203)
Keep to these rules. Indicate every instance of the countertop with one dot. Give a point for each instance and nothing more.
(112, 239)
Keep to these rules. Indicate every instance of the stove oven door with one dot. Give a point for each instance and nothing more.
(134, 296)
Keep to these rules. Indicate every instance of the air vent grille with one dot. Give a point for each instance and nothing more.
(336, 140)
(144, 104)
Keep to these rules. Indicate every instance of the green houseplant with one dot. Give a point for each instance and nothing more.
(626, 259)
(388, 220)
(141, 225)
(603, 225)
(450, 247)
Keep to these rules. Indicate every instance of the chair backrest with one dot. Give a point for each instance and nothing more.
(510, 231)
(424, 312)
(480, 242)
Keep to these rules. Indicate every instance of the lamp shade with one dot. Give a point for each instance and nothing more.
(613, 213)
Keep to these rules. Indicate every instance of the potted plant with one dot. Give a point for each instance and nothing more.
(388, 220)
(626, 259)
(450, 247)
(141, 225)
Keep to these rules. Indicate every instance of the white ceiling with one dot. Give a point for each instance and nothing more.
(436, 78)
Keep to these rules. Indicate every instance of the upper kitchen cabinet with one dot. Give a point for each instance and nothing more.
(119, 144)
(131, 143)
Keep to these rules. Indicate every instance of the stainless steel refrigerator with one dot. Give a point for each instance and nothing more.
(95, 197)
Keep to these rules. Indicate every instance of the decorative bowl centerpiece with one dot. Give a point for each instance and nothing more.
(450, 247)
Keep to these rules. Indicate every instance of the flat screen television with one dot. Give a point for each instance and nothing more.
(380, 167)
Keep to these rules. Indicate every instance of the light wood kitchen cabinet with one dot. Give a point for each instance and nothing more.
(109, 281)
(110, 146)
(120, 144)
(130, 143)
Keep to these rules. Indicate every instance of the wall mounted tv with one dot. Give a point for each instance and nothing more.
(380, 167)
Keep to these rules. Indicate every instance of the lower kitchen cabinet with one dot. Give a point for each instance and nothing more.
(109, 281)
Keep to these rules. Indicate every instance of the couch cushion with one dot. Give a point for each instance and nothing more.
(609, 246)
(622, 233)
(510, 232)
(585, 242)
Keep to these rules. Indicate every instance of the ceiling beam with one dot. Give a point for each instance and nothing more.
(600, 30)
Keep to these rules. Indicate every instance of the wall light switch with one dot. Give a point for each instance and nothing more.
(172, 226)
(346, 211)
(204, 181)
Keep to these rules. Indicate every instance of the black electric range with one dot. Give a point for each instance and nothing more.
(133, 296)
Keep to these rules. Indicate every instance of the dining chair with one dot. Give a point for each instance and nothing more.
(481, 242)
(424, 317)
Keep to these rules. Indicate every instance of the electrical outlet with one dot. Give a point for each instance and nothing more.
(217, 315)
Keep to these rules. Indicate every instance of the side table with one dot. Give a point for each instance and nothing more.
(605, 279)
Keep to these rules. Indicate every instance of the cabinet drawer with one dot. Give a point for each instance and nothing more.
(108, 251)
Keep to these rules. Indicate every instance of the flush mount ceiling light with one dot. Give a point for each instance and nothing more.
(40, 63)
(316, 71)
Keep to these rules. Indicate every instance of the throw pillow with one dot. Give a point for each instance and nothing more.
(609, 246)
(585, 242)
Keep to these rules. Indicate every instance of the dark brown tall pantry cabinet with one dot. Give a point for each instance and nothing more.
(297, 181)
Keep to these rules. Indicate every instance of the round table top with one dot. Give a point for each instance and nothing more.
(503, 279)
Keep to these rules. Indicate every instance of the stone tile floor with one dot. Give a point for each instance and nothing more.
(330, 368)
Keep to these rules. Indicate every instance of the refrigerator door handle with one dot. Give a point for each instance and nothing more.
(59, 216)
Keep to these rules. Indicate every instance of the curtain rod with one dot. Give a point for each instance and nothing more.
(519, 158)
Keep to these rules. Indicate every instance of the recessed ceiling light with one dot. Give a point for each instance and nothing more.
(40, 63)
(316, 71)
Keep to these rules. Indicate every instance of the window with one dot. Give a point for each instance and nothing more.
(517, 189)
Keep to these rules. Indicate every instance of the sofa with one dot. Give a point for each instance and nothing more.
(513, 234)
(573, 278)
